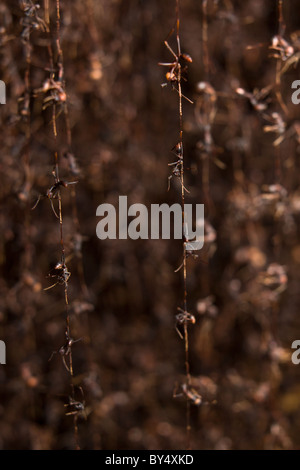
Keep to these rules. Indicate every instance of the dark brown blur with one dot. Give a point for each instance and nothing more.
(241, 149)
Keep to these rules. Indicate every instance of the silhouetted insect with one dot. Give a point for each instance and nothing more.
(182, 318)
(61, 273)
(177, 165)
(76, 407)
(65, 350)
(54, 192)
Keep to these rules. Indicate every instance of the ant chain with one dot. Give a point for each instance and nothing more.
(174, 76)
(185, 325)
(63, 277)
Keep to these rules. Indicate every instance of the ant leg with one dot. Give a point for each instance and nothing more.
(178, 43)
(53, 353)
(186, 189)
(51, 202)
(182, 95)
(38, 200)
(65, 363)
(179, 268)
(170, 49)
(50, 287)
(180, 335)
(166, 64)
(80, 388)
(70, 413)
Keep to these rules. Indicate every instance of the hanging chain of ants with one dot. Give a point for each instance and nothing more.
(75, 406)
(55, 96)
(175, 76)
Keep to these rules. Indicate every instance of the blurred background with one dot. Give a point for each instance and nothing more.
(241, 141)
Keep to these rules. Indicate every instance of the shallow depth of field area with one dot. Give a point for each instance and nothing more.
(139, 344)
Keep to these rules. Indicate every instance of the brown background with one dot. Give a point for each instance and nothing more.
(124, 126)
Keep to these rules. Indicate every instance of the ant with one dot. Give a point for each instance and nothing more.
(61, 273)
(178, 164)
(284, 50)
(29, 7)
(76, 407)
(57, 92)
(182, 318)
(259, 98)
(54, 192)
(178, 150)
(188, 248)
(177, 67)
(31, 20)
(190, 393)
(278, 125)
(65, 350)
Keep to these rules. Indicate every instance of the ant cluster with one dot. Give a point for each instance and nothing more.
(54, 192)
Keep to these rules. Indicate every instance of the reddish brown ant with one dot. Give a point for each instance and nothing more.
(177, 67)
